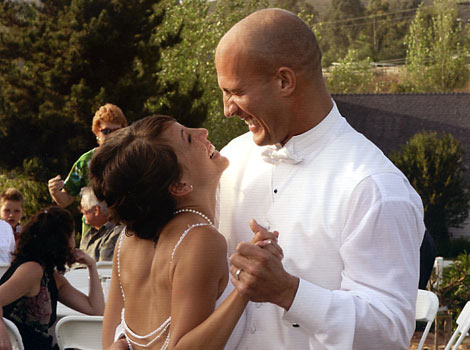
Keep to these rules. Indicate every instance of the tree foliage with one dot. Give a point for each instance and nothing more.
(61, 60)
(435, 167)
(351, 75)
(453, 287)
(435, 57)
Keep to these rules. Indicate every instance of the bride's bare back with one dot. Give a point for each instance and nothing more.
(157, 284)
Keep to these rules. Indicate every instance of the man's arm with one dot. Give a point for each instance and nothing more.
(374, 308)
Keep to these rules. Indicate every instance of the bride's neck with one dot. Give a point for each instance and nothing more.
(198, 201)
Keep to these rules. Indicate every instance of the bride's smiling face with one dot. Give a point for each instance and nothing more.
(198, 157)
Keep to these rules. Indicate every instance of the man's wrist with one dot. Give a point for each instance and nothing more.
(287, 298)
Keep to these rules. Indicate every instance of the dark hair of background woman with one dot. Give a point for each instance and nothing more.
(45, 239)
(132, 172)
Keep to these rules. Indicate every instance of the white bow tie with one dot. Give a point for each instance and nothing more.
(275, 155)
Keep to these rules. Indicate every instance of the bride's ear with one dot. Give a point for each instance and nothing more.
(180, 188)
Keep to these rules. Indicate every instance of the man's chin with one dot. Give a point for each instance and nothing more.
(260, 139)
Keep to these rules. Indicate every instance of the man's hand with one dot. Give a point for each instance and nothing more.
(257, 270)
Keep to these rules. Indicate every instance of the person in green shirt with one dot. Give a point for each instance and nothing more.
(108, 118)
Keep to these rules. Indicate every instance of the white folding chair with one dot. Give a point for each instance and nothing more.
(79, 332)
(463, 325)
(427, 304)
(14, 334)
(78, 278)
(104, 264)
(105, 268)
(3, 268)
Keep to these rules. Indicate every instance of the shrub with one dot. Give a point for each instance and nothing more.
(454, 288)
(434, 166)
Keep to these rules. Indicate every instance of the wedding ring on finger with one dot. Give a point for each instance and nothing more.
(237, 274)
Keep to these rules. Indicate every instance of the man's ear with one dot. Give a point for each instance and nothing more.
(287, 80)
(97, 210)
(180, 188)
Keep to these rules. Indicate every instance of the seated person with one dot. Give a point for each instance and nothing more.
(31, 287)
(7, 242)
(100, 239)
(12, 209)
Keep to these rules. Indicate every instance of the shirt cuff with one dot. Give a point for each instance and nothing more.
(309, 308)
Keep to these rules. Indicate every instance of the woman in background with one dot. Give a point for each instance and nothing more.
(31, 287)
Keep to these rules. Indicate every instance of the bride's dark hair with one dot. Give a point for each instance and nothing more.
(132, 172)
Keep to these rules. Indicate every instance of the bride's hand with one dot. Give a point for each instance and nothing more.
(266, 239)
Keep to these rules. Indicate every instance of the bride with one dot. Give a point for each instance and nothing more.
(170, 263)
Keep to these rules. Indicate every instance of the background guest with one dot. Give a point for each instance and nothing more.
(31, 287)
(100, 239)
(7, 242)
(12, 209)
(108, 118)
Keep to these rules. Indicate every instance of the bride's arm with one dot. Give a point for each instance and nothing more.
(200, 266)
(200, 270)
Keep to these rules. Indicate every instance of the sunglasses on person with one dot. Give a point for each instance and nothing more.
(107, 131)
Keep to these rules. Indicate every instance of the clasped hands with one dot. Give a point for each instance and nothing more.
(257, 269)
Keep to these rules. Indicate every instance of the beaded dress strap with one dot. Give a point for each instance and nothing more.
(184, 235)
(121, 238)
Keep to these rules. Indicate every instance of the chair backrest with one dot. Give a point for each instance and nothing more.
(79, 332)
(104, 264)
(78, 278)
(463, 325)
(104, 268)
(427, 304)
(14, 334)
(3, 268)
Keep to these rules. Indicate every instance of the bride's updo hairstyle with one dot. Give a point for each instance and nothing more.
(132, 172)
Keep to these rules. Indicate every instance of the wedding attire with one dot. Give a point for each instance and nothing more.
(350, 226)
(148, 339)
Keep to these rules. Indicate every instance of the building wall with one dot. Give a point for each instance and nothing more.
(390, 120)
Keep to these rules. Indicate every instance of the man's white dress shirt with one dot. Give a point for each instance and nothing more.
(7, 242)
(350, 226)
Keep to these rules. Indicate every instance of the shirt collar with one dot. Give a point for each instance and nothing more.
(299, 146)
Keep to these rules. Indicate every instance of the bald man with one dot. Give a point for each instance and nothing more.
(349, 223)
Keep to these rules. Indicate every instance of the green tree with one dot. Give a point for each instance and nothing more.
(435, 58)
(59, 61)
(341, 28)
(351, 75)
(435, 168)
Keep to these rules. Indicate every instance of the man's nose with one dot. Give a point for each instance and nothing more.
(230, 109)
